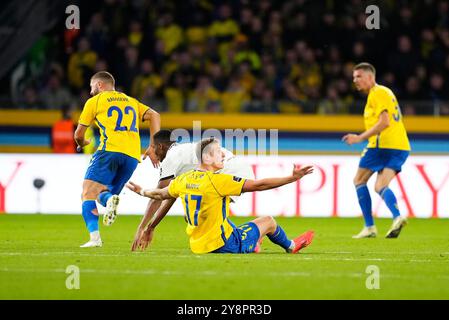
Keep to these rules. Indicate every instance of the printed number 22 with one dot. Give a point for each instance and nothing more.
(118, 126)
(197, 208)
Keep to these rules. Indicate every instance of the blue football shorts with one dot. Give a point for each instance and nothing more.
(377, 159)
(242, 240)
(112, 169)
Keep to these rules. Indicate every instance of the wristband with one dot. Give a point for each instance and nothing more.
(142, 192)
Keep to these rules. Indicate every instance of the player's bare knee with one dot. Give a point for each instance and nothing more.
(359, 180)
(378, 187)
(89, 193)
(271, 223)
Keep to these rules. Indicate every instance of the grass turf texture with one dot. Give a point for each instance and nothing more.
(35, 251)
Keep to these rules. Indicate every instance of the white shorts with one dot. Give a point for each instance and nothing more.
(237, 166)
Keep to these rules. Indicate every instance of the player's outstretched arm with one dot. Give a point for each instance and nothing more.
(151, 214)
(271, 183)
(382, 124)
(155, 126)
(157, 194)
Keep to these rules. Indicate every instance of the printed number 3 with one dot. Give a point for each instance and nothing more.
(118, 126)
(397, 115)
(197, 208)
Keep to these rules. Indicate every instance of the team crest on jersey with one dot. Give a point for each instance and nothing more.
(236, 179)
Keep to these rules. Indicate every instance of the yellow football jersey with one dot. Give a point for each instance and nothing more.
(117, 116)
(381, 99)
(205, 199)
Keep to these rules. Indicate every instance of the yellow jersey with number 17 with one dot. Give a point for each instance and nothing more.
(380, 99)
(117, 117)
(205, 199)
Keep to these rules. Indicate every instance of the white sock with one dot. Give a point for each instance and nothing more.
(95, 236)
(292, 245)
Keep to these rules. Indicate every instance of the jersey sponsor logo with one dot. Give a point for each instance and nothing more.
(236, 179)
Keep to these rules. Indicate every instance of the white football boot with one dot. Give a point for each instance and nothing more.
(95, 241)
(367, 232)
(396, 227)
(111, 210)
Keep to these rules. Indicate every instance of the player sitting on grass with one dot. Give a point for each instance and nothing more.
(205, 197)
(176, 159)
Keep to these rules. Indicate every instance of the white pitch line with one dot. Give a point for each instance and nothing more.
(224, 273)
(259, 256)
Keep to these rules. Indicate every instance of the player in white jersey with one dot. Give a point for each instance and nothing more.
(176, 159)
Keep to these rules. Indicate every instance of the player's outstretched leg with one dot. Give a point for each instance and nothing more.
(111, 210)
(268, 226)
(110, 201)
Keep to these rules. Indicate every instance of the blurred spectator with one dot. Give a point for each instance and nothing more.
(30, 99)
(129, 69)
(262, 100)
(217, 77)
(223, 29)
(234, 97)
(245, 54)
(146, 78)
(97, 33)
(149, 98)
(55, 96)
(245, 76)
(135, 35)
(403, 61)
(295, 102)
(81, 64)
(438, 90)
(332, 104)
(169, 33)
(205, 98)
(175, 93)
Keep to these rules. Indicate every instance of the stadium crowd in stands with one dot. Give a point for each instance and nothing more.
(265, 56)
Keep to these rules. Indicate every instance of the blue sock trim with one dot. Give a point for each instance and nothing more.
(90, 219)
(280, 238)
(382, 192)
(104, 197)
(390, 200)
(360, 186)
(365, 204)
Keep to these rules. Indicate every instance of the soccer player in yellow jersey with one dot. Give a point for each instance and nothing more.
(117, 116)
(205, 198)
(387, 150)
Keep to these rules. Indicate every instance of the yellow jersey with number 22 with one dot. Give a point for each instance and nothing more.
(117, 117)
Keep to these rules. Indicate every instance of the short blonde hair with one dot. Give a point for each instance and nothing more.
(105, 77)
(365, 66)
(202, 145)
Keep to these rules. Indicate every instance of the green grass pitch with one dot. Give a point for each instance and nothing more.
(35, 251)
